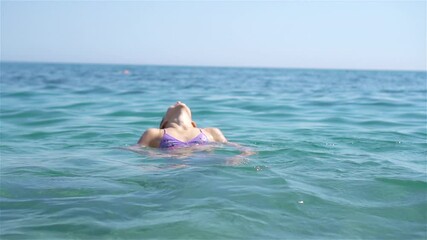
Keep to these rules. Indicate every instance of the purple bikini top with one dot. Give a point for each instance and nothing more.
(170, 142)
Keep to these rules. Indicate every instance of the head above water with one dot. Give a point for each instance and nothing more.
(178, 114)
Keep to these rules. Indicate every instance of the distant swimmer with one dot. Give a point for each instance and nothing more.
(177, 129)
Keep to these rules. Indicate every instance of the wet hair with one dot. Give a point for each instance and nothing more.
(162, 123)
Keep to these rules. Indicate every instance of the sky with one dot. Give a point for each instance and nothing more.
(385, 35)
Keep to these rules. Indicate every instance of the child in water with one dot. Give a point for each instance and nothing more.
(177, 129)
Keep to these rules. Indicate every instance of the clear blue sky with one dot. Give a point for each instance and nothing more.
(309, 34)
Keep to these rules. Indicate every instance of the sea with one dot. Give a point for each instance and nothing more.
(338, 154)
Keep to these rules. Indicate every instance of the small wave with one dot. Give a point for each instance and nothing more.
(409, 183)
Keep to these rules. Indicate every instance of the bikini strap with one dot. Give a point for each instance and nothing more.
(202, 132)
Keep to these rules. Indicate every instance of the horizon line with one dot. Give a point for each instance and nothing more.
(210, 66)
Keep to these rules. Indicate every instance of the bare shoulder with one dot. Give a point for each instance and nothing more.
(216, 134)
(151, 137)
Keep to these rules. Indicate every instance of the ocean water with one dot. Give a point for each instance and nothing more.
(339, 154)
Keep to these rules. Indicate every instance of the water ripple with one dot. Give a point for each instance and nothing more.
(339, 154)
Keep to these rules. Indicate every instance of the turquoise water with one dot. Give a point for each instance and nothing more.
(340, 154)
